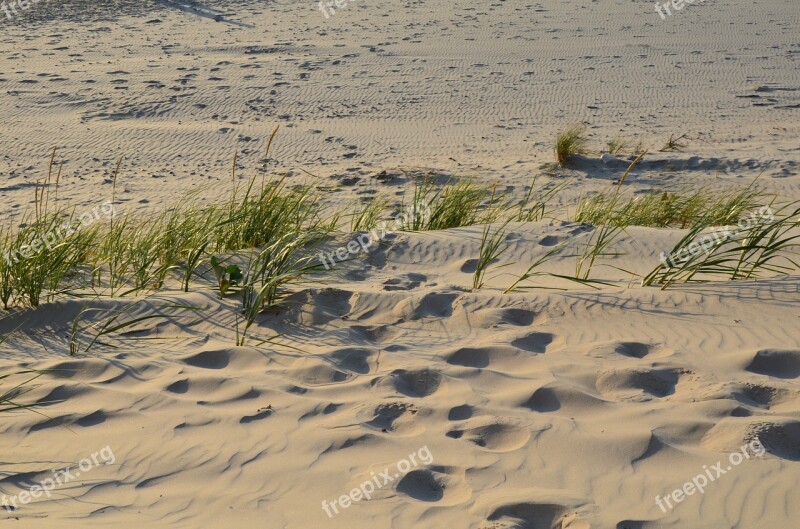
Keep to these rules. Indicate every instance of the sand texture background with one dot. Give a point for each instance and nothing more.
(570, 408)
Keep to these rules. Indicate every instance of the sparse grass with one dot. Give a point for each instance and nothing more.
(129, 254)
(733, 254)
(13, 386)
(533, 206)
(286, 261)
(617, 146)
(668, 209)
(675, 143)
(491, 249)
(605, 234)
(275, 227)
(440, 207)
(366, 216)
(571, 143)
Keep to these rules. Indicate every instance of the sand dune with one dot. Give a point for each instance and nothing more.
(563, 409)
(559, 407)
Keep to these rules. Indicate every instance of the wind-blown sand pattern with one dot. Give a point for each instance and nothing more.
(560, 408)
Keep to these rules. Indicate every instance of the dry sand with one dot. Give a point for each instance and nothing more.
(550, 409)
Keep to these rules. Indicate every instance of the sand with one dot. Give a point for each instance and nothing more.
(543, 409)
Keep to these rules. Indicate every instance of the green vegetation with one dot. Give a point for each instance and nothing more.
(668, 209)
(570, 143)
(743, 253)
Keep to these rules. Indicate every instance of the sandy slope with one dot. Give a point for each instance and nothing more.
(567, 409)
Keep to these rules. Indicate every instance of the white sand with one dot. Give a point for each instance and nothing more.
(548, 409)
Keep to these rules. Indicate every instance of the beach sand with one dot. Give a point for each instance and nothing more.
(565, 407)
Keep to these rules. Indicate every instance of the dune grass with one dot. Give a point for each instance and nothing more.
(275, 228)
(13, 386)
(366, 216)
(491, 249)
(669, 209)
(676, 142)
(441, 207)
(617, 146)
(535, 204)
(570, 143)
(733, 253)
(606, 232)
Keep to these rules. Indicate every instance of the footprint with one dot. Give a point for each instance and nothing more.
(353, 359)
(318, 306)
(376, 333)
(480, 357)
(433, 305)
(493, 318)
(535, 342)
(393, 417)
(422, 485)
(637, 385)
(628, 349)
(759, 395)
(416, 383)
(444, 485)
(495, 437)
(529, 515)
(321, 375)
(551, 397)
(633, 349)
(179, 386)
(550, 240)
(460, 413)
(779, 439)
(469, 266)
(209, 359)
(776, 363)
(408, 281)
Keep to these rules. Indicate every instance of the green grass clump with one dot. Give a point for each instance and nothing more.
(270, 270)
(491, 249)
(366, 216)
(533, 206)
(616, 146)
(733, 253)
(570, 143)
(440, 207)
(668, 209)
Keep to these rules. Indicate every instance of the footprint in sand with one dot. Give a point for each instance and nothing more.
(776, 363)
(495, 437)
(438, 484)
(529, 515)
(417, 383)
(780, 439)
(395, 417)
(637, 384)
